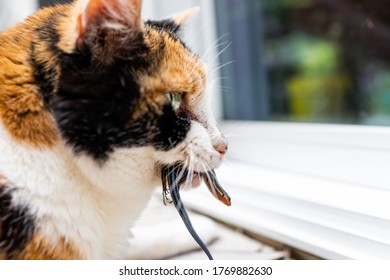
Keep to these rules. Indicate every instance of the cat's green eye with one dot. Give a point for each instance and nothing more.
(176, 99)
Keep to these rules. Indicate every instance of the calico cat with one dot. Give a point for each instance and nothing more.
(93, 102)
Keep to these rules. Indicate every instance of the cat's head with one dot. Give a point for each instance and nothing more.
(127, 84)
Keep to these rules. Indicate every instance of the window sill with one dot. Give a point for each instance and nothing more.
(312, 187)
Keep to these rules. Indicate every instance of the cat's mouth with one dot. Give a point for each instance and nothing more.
(187, 179)
(192, 181)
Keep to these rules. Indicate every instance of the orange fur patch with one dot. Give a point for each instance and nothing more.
(180, 70)
(40, 248)
(71, 27)
(3, 181)
(22, 110)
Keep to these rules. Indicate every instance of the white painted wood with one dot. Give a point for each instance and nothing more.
(354, 154)
(330, 219)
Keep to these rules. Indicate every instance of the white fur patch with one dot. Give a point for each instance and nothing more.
(92, 206)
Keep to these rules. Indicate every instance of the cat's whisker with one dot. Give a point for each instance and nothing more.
(224, 90)
(203, 165)
(209, 181)
(208, 166)
(216, 44)
(220, 53)
(234, 135)
(173, 170)
(233, 132)
(180, 175)
(220, 67)
(213, 47)
(224, 78)
(188, 164)
(190, 174)
(229, 164)
(196, 66)
(201, 30)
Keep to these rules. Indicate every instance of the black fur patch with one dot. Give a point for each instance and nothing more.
(170, 27)
(17, 225)
(171, 130)
(93, 107)
(44, 71)
(48, 30)
(44, 76)
(166, 25)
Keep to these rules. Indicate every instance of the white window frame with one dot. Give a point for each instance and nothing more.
(324, 189)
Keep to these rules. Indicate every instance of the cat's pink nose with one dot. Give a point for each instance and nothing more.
(221, 146)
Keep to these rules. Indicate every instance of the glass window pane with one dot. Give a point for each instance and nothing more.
(305, 60)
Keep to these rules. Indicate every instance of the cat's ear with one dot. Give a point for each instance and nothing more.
(183, 17)
(110, 14)
(102, 26)
(174, 23)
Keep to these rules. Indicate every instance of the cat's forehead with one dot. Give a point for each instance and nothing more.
(178, 68)
(164, 34)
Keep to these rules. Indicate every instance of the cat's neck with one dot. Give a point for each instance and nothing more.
(103, 200)
(126, 170)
